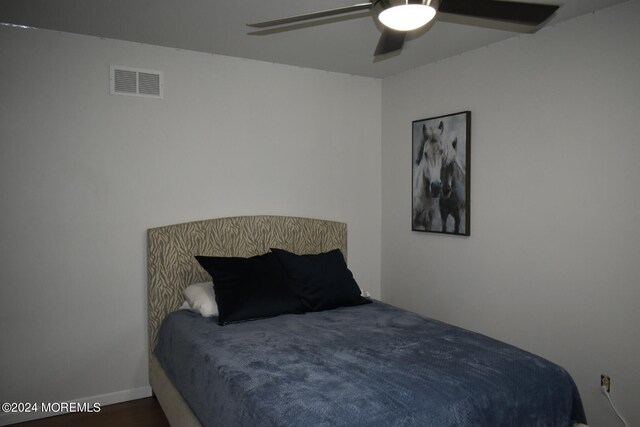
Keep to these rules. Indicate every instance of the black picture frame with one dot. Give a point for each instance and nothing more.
(441, 174)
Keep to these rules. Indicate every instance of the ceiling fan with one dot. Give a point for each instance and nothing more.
(399, 17)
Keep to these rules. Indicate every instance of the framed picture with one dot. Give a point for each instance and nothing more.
(441, 174)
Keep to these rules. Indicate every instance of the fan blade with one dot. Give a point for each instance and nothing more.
(390, 41)
(510, 11)
(314, 15)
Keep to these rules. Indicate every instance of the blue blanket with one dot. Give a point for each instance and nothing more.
(370, 365)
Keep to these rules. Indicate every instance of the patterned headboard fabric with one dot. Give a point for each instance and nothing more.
(171, 266)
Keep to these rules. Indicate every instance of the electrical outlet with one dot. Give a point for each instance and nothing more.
(605, 382)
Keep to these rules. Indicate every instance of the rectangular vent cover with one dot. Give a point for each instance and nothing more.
(136, 82)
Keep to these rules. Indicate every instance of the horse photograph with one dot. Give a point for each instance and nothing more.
(440, 178)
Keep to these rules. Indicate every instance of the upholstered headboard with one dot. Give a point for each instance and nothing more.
(171, 266)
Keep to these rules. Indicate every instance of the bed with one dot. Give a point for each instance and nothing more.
(369, 364)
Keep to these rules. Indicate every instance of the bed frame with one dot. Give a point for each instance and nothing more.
(171, 267)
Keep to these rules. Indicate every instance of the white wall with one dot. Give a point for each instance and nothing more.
(83, 174)
(553, 261)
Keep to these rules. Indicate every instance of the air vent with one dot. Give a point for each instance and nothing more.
(136, 82)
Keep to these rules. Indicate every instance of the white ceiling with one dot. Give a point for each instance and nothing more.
(218, 26)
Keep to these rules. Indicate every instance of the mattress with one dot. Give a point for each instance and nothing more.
(370, 365)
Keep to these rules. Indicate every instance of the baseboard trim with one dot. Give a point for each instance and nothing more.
(103, 399)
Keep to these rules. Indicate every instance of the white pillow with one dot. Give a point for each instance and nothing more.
(201, 299)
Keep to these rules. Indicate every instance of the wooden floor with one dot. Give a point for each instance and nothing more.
(136, 413)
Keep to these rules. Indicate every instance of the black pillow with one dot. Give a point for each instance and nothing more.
(249, 288)
(321, 281)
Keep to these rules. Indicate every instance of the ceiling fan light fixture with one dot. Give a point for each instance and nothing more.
(407, 17)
